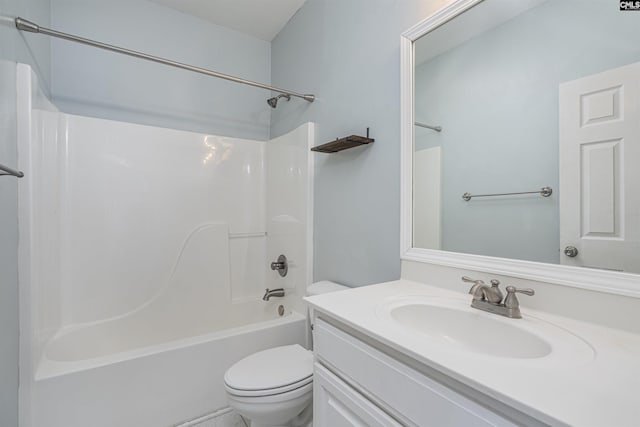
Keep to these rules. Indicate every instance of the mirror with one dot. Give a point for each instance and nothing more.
(521, 139)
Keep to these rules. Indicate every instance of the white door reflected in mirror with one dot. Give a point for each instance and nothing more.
(599, 173)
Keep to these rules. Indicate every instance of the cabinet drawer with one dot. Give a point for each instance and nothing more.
(405, 392)
(336, 404)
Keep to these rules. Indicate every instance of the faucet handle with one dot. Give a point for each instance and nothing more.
(511, 301)
(476, 284)
(526, 291)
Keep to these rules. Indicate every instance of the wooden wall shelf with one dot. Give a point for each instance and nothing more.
(343, 143)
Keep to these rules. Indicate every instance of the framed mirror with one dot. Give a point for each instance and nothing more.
(521, 141)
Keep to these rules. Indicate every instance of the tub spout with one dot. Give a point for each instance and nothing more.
(273, 293)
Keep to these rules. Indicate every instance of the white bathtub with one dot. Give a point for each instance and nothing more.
(89, 377)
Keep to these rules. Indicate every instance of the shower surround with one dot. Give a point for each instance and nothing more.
(144, 253)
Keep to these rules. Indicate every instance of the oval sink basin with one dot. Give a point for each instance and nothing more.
(450, 324)
(472, 331)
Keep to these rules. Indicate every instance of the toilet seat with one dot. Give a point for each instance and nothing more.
(271, 395)
(270, 372)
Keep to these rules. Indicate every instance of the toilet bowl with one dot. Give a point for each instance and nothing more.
(274, 387)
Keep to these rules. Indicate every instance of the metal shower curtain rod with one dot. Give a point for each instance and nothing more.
(25, 25)
(6, 170)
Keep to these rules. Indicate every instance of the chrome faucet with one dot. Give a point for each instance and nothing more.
(489, 298)
(481, 291)
(273, 293)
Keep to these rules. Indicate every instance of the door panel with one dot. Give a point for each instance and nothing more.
(600, 169)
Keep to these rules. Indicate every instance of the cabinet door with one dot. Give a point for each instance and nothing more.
(336, 404)
(409, 396)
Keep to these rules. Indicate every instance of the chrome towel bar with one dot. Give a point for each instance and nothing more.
(544, 192)
(422, 125)
(5, 170)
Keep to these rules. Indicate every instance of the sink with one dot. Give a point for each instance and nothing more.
(451, 324)
(472, 331)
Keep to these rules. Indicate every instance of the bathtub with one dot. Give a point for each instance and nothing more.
(89, 378)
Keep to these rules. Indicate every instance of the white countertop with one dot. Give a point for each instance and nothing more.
(596, 384)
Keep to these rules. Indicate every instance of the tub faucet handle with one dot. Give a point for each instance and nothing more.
(281, 265)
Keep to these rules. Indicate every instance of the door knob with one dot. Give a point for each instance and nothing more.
(571, 251)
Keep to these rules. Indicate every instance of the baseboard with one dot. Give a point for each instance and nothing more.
(225, 417)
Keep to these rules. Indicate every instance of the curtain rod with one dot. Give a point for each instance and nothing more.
(25, 25)
(6, 170)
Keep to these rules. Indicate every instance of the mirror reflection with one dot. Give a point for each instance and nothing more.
(515, 97)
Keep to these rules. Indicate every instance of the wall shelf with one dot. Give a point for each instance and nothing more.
(344, 143)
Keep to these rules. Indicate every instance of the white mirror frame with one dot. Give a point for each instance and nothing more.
(579, 277)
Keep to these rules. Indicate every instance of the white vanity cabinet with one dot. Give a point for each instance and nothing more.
(356, 384)
(336, 404)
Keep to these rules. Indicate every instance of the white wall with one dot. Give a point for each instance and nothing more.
(348, 54)
(92, 82)
(13, 47)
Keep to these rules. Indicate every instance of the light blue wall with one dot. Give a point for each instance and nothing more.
(92, 82)
(348, 54)
(23, 47)
(13, 47)
(496, 98)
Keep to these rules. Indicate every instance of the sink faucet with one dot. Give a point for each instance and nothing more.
(489, 298)
(272, 293)
(481, 291)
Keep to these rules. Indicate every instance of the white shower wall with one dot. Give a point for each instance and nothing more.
(129, 197)
(289, 168)
(133, 194)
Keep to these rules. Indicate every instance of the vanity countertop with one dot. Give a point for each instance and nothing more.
(599, 387)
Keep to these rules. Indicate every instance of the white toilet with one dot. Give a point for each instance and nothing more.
(274, 387)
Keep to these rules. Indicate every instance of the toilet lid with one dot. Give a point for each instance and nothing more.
(270, 369)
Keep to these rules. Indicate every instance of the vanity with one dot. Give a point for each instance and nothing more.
(409, 353)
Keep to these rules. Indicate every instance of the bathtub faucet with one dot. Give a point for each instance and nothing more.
(273, 293)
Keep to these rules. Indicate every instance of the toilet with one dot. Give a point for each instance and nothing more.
(274, 387)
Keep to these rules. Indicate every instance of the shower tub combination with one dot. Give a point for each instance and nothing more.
(144, 254)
